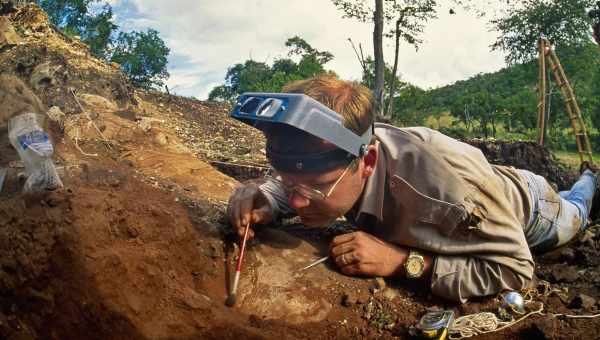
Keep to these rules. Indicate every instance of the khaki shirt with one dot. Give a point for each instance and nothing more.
(437, 194)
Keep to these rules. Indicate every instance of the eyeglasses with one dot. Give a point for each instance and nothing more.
(308, 192)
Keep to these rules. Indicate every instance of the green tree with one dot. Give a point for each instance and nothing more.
(563, 22)
(410, 17)
(98, 31)
(143, 57)
(253, 76)
(67, 14)
(301, 48)
(368, 78)
(409, 104)
(75, 17)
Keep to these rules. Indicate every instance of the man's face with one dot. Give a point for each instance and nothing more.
(320, 212)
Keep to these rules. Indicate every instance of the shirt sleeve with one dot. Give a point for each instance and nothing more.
(460, 277)
(277, 199)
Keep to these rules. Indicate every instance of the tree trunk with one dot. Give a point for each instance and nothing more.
(493, 121)
(467, 118)
(378, 53)
(390, 109)
(485, 124)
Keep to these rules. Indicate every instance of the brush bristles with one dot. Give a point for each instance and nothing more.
(230, 302)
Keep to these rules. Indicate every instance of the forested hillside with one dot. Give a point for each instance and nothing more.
(504, 104)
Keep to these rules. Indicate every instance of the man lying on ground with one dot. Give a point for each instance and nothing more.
(430, 207)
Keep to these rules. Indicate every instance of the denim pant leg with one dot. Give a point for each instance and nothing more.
(581, 194)
(555, 219)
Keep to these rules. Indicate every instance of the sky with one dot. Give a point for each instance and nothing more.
(206, 37)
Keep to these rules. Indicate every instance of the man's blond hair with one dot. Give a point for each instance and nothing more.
(353, 101)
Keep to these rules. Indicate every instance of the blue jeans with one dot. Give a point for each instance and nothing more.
(556, 218)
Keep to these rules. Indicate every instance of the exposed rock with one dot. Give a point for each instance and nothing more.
(145, 124)
(56, 115)
(161, 139)
(44, 75)
(8, 36)
(95, 102)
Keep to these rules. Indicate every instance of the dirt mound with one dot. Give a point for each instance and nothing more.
(228, 141)
(55, 64)
(529, 156)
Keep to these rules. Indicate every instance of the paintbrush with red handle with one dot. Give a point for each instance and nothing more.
(230, 302)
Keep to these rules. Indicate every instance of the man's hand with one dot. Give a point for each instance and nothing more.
(360, 253)
(247, 204)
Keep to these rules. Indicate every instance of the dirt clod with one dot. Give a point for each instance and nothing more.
(542, 329)
(583, 301)
(564, 274)
(349, 299)
(567, 255)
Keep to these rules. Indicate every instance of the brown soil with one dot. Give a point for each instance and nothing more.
(136, 245)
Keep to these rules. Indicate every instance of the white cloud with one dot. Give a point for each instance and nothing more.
(207, 37)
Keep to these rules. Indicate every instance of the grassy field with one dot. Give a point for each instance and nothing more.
(571, 158)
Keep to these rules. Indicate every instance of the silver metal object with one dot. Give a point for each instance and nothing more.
(321, 260)
(434, 325)
(514, 301)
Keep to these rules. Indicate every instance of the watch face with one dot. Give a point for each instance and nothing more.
(414, 267)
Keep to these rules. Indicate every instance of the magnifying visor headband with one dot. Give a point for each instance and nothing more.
(306, 114)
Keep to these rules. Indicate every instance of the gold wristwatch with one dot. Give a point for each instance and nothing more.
(414, 266)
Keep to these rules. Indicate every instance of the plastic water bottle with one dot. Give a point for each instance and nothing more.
(35, 149)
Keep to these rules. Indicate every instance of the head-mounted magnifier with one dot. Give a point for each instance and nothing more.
(306, 114)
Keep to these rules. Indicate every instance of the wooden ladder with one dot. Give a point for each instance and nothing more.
(548, 55)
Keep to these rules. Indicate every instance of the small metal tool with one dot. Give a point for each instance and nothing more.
(434, 325)
(321, 260)
(514, 301)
